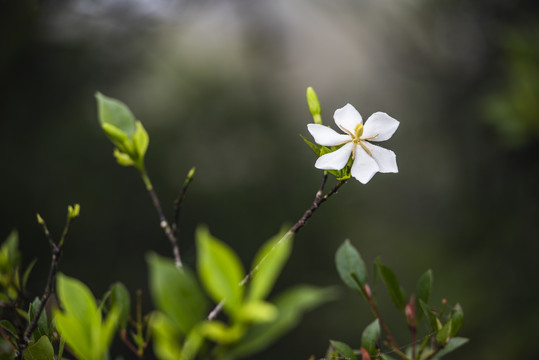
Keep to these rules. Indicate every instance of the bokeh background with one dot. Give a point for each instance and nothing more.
(221, 85)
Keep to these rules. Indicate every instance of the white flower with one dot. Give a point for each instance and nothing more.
(368, 159)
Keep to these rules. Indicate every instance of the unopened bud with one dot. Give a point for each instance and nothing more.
(314, 105)
(40, 219)
(191, 173)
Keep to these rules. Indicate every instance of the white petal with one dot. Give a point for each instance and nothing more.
(347, 118)
(326, 136)
(335, 160)
(386, 159)
(380, 125)
(364, 166)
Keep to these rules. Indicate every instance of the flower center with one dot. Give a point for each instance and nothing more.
(357, 140)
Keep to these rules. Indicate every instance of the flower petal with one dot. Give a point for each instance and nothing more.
(364, 166)
(326, 136)
(335, 160)
(380, 125)
(347, 118)
(386, 159)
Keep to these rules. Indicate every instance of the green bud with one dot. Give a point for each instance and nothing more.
(314, 105)
(73, 211)
(191, 173)
(141, 140)
(40, 219)
(122, 158)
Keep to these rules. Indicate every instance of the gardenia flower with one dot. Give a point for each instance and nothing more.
(368, 159)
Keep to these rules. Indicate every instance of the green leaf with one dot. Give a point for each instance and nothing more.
(423, 290)
(452, 345)
(6, 325)
(291, 304)
(116, 113)
(431, 318)
(176, 293)
(220, 270)
(42, 324)
(166, 337)
(395, 291)
(27, 273)
(220, 332)
(141, 140)
(192, 344)
(442, 336)
(258, 311)
(351, 266)
(80, 324)
(457, 316)
(40, 350)
(370, 337)
(343, 349)
(122, 158)
(119, 298)
(268, 264)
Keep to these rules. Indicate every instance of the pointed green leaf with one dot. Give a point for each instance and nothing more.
(344, 349)
(116, 113)
(176, 293)
(442, 336)
(40, 350)
(42, 325)
(27, 272)
(395, 291)
(370, 336)
(120, 299)
(452, 345)
(268, 264)
(351, 266)
(220, 270)
(220, 332)
(457, 316)
(423, 290)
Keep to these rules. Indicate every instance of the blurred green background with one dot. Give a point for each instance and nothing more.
(221, 85)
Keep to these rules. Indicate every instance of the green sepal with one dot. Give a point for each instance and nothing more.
(315, 148)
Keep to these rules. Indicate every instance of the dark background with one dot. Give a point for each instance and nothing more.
(221, 85)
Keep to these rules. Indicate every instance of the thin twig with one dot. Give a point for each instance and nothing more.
(374, 308)
(318, 200)
(179, 201)
(49, 287)
(163, 223)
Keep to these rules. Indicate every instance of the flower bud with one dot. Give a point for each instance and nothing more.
(314, 105)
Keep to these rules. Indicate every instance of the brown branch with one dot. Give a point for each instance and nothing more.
(163, 223)
(49, 287)
(374, 308)
(318, 200)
